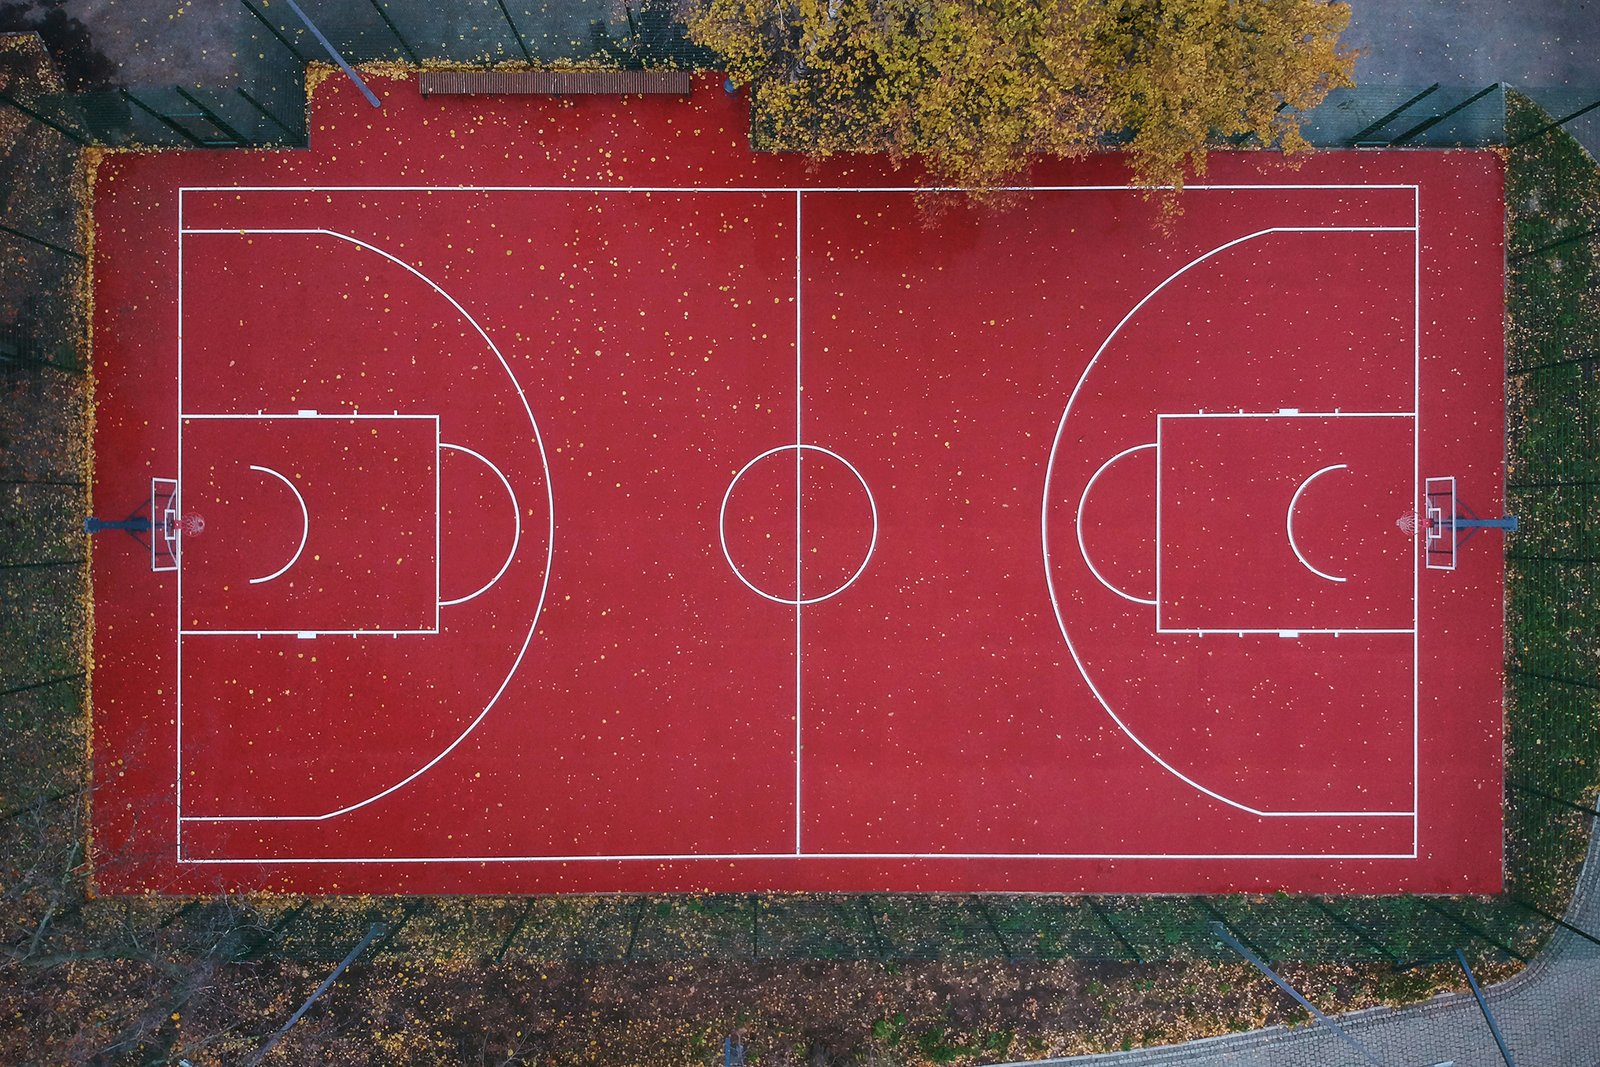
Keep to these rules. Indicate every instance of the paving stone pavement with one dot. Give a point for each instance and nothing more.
(1549, 1013)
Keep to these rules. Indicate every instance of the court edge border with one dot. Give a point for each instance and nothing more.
(798, 192)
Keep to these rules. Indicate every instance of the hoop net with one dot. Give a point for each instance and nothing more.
(1411, 523)
(163, 524)
(191, 523)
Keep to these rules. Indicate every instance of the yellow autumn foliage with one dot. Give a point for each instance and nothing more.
(975, 89)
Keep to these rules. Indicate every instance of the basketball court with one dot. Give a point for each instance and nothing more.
(553, 495)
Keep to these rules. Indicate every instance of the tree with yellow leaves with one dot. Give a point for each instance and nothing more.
(976, 88)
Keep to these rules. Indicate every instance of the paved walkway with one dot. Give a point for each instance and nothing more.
(1550, 1014)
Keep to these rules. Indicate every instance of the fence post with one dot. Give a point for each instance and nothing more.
(1475, 931)
(30, 687)
(1529, 905)
(527, 55)
(1228, 939)
(1523, 788)
(327, 984)
(163, 119)
(406, 915)
(635, 917)
(1590, 232)
(334, 52)
(71, 135)
(1219, 918)
(279, 928)
(984, 913)
(259, 106)
(511, 934)
(211, 116)
(39, 803)
(1428, 124)
(1121, 939)
(387, 21)
(1556, 125)
(1361, 935)
(1483, 1006)
(879, 942)
(1578, 683)
(1396, 113)
(41, 241)
(755, 927)
(293, 51)
(15, 349)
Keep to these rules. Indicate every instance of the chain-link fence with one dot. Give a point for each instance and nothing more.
(258, 98)
(1385, 116)
(1445, 116)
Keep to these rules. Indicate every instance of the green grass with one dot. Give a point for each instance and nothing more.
(1553, 573)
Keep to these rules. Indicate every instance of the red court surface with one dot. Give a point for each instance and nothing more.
(591, 504)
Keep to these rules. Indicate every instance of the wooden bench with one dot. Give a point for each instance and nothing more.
(554, 82)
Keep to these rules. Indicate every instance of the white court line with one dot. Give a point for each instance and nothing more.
(1083, 549)
(722, 528)
(1044, 520)
(1288, 523)
(724, 857)
(1223, 631)
(305, 523)
(1416, 483)
(1161, 421)
(1125, 188)
(177, 500)
(304, 630)
(438, 528)
(867, 190)
(799, 588)
(544, 588)
(1335, 414)
(516, 512)
(345, 416)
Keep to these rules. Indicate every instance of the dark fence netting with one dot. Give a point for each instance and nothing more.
(1423, 116)
(1552, 354)
(486, 33)
(258, 97)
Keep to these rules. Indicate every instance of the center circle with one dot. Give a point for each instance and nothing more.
(788, 518)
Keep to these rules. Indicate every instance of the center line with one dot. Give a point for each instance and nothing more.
(799, 595)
